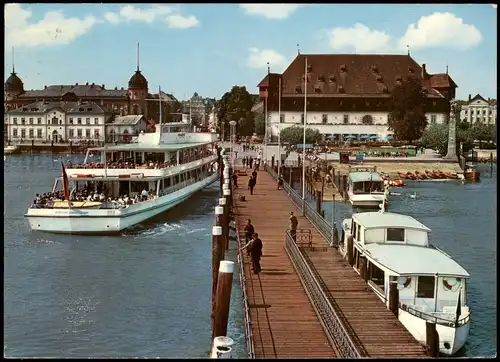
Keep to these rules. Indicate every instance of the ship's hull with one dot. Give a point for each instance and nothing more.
(471, 175)
(104, 221)
(366, 200)
(10, 150)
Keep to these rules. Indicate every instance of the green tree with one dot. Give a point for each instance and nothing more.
(259, 121)
(235, 105)
(407, 117)
(295, 135)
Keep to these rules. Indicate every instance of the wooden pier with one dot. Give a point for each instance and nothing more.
(287, 317)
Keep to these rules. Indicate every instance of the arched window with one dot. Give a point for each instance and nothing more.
(367, 119)
(55, 120)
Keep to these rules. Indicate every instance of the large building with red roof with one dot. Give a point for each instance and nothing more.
(348, 94)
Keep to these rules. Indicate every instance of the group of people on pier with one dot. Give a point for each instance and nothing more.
(253, 245)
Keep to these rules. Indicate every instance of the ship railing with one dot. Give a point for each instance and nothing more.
(435, 318)
(177, 187)
(316, 219)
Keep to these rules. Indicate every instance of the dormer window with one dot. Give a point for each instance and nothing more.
(374, 69)
(399, 78)
(385, 89)
(317, 89)
(395, 235)
(341, 89)
(298, 89)
(410, 70)
(343, 68)
(80, 109)
(321, 78)
(380, 79)
(309, 67)
(331, 78)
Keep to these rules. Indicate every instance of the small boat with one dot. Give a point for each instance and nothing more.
(402, 174)
(470, 173)
(365, 187)
(436, 174)
(420, 175)
(429, 174)
(384, 247)
(10, 149)
(411, 176)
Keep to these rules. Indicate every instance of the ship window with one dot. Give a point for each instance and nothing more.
(395, 234)
(358, 238)
(176, 179)
(425, 287)
(377, 276)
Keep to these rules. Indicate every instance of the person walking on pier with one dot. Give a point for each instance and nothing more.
(293, 226)
(254, 247)
(280, 182)
(244, 161)
(249, 231)
(254, 175)
(251, 184)
(250, 162)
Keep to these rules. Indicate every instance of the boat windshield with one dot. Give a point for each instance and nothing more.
(367, 187)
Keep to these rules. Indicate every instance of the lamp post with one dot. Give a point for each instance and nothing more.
(232, 125)
(304, 143)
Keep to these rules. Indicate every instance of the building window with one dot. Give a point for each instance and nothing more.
(14, 133)
(71, 121)
(87, 133)
(367, 120)
(96, 133)
(433, 119)
(425, 287)
(23, 133)
(54, 120)
(14, 120)
(31, 120)
(31, 133)
(39, 133)
(324, 118)
(395, 234)
(71, 133)
(346, 119)
(87, 120)
(39, 120)
(282, 118)
(23, 120)
(96, 120)
(79, 133)
(79, 121)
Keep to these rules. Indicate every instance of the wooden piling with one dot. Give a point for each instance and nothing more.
(350, 250)
(225, 229)
(223, 297)
(322, 188)
(318, 201)
(393, 295)
(272, 162)
(431, 339)
(216, 248)
(362, 268)
(291, 177)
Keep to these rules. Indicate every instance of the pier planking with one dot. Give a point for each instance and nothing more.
(284, 323)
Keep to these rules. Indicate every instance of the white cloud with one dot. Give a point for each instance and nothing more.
(259, 59)
(166, 13)
(270, 11)
(360, 38)
(53, 29)
(441, 29)
(494, 6)
(182, 22)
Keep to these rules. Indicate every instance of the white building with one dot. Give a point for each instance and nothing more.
(57, 121)
(123, 128)
(479, 110)
(348, 94)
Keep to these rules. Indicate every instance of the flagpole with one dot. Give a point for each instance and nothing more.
(159, 98)
(304, 143)
(265, 114)
(279, 128)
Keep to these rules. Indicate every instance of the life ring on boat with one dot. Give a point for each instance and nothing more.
(452, 283)
(403, 283)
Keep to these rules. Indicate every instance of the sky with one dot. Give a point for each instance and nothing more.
(208, 48)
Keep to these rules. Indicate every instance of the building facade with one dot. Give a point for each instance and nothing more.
(57, 121)
(199, 108)
(347, 94)
(123, 128)
(479, 110)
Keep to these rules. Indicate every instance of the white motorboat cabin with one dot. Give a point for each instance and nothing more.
(364, 180)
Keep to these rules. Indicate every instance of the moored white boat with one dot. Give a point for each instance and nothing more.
(153, 175)
(365, 187)
(10, 149)
(432, 286)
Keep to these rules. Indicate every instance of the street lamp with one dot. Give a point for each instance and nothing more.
(232, 125)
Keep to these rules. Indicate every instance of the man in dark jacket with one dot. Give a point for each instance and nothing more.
(249, 231)
(254, 247)
(251, 184)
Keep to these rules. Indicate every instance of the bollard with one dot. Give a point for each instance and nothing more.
(222, 347)
(350, 251)
(216, 257)
(223, 297)
(322, 188)
(272, 162)
(225, 229)
(431, 339)
(394, 295)
(291, 177)
(362, 268)
(318, 201)
(339, 179)
(227, 196)
(335, 234)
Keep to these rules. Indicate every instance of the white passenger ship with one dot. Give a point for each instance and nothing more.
(365, 187)
(432, 286)
(157, 173)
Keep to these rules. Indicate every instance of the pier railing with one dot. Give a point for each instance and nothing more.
(316, 219)
(331, 317)
(246, 308)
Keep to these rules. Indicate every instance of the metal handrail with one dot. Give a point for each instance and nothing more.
(247, 320)
(436, 319)
(333, 324)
